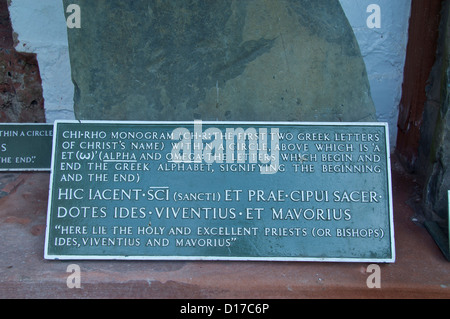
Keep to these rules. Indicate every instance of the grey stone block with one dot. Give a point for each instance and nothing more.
(270, 60)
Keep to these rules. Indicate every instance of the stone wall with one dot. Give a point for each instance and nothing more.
(21, 98)
(262, 60)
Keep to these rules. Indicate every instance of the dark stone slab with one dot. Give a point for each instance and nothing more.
(225, 60)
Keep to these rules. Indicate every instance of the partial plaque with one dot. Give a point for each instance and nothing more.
(25, 147)
(221, 191)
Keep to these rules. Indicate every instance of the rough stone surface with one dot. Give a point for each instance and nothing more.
(217, 60)
(419, 272)
(435, 135)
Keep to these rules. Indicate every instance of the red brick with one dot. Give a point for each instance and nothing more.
(21, 94)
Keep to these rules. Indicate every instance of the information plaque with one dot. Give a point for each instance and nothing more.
(25, 147)
(220, 191)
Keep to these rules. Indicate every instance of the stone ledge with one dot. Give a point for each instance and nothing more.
(420, 271)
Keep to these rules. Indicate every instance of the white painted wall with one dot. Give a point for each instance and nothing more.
(41, 29)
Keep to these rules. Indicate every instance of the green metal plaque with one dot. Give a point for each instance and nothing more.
(221, 191)
(25, 147)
